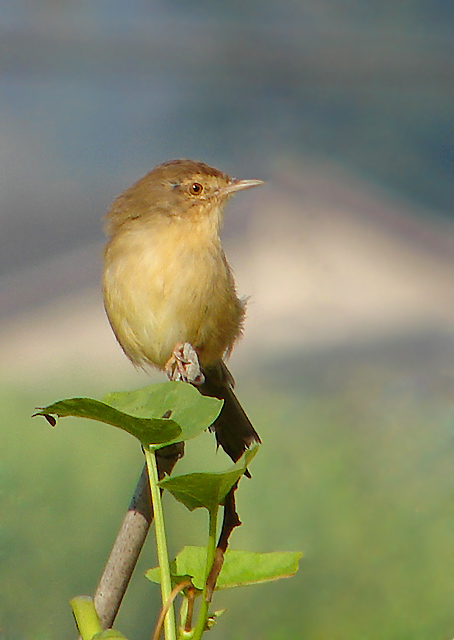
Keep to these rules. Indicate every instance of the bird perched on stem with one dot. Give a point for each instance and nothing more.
(168, 290)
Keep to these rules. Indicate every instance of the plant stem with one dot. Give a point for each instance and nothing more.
(161, 544)
(86, 617)
(211, 549)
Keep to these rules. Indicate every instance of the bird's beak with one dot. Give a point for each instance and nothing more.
(239, 185)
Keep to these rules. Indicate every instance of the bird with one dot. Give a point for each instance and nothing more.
(168, 290)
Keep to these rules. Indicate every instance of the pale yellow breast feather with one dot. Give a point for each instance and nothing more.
(170, 284)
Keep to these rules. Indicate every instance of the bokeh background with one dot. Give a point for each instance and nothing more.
(346, 109)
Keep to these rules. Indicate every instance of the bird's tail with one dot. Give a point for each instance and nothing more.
(233, 429)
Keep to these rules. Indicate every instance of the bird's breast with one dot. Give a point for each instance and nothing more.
(170, 284)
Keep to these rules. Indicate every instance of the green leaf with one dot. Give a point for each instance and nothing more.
(186, 406)
(247, 567)
(240, 568)
(140, 412)
(147, 430)
(154, 575)
(207, 490)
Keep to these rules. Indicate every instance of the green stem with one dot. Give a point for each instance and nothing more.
(161, 544)
(211, 549)
(85, 615)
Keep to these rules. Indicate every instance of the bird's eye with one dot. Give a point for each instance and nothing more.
(196, 188)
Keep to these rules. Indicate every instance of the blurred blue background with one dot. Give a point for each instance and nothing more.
(346, 109)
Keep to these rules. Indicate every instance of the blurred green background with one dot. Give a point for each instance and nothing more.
(358, 476)
(346, 369)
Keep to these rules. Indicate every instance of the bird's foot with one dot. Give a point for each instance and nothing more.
(184, 365)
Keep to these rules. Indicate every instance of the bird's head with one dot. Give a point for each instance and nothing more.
(176, 189)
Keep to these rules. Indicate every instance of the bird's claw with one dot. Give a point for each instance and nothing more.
(184, 365)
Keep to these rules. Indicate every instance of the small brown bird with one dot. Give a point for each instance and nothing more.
(168, 290)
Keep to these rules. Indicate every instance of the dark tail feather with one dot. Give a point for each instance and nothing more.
(234, 431)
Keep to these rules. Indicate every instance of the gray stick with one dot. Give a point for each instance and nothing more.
(125, 553)
(130, 539)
